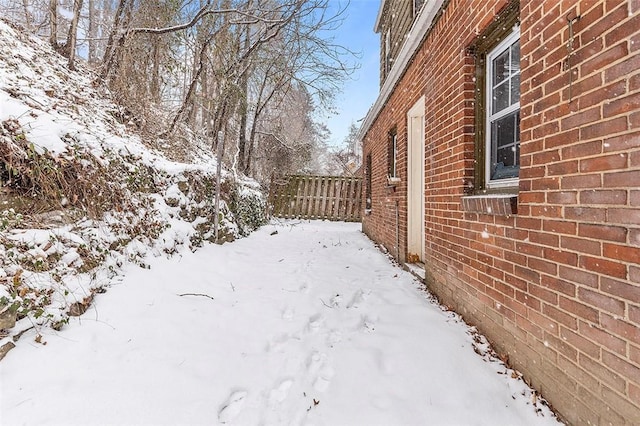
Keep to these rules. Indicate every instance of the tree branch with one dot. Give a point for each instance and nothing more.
(197, 294)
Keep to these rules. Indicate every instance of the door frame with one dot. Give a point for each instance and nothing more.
(415, 183)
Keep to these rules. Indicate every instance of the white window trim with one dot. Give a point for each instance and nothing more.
(497, 183)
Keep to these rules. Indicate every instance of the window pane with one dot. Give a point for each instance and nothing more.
(392, 154)
(500, 68)
(505, 146)
(395, 153)
(500, 97)
(506, 78)
(515, 89)
(503, 131)
(515, 57)
(515, 72)
(506, 156)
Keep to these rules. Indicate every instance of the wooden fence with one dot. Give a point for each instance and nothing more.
(317, 197)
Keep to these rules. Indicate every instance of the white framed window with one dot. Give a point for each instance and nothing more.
(393, 153)
(417, 5)
(502, 127)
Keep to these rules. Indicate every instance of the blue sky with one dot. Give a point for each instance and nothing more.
(361, 91)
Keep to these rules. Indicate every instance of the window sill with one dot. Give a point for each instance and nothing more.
(393, 180)
(493, 204)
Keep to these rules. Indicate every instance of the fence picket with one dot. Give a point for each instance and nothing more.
(309, 197)
(323, 205)
(305, 198)
(317, 197)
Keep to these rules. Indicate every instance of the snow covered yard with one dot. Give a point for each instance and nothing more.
(312, 325)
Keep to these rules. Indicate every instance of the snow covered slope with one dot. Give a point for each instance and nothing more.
(81, 194)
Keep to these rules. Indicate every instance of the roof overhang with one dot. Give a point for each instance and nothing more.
(376, 27)
(419, 30)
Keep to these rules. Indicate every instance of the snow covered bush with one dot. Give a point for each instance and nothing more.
(249, 207)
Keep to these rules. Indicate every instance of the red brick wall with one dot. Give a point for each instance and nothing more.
(555, 287)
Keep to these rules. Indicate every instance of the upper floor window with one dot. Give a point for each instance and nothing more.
(417, 5)
(503, 112)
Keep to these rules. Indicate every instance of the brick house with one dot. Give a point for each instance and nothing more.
(502, 164)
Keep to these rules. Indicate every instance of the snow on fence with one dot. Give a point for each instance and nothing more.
(317, 197)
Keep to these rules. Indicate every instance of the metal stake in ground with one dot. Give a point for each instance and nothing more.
(220, 147)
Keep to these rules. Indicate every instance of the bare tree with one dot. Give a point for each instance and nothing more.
(53, 23)
(27, 14)
(69, 48)
(92, 31)
(257, 69)
(302, 56)
(115, 43)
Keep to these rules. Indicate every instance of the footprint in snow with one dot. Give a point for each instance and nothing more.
(336, 301)
(287, 314)
(316, 366)
(367, 324)
(278, 343)
(315, 322)
(323, 380)
(358, 298)
(232, 407)
(315, 362)
(280, 393)
(335, 336)
(304, 288)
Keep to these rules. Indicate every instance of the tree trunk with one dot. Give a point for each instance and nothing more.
(242, 137)
(244, 109)
(154, 86)
(192, 87)
(113, 45)
(92, 55)
(53, 23)
(27, 15)
(72, 37)
(249, 162)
